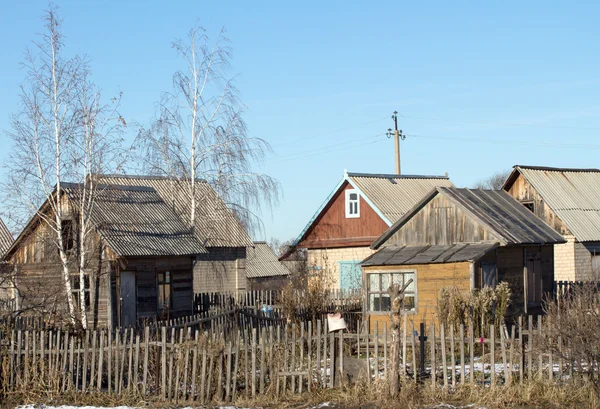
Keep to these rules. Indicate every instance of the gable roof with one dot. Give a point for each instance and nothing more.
(261, 261)
(6, 238)
(510, 221)
(572, 194)
(215, 225)
(135, 221)
(406, 255)
(394, 195)
(389, 195)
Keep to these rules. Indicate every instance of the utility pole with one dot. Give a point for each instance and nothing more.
(397, 136)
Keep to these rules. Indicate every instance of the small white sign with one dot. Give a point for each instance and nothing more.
(335, 322)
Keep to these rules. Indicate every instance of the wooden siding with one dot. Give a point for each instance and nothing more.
(222, 270)
(441, 221)
(332, 229)
(146, 269)
(522, 190)
(430, 279)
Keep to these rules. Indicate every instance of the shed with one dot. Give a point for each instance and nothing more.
(264, 271)
(465, 238)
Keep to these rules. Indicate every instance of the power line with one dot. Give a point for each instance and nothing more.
(330, 132)
(508, 142)
(433, 118)
(329, 148)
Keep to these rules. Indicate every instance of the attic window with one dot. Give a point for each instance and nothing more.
(352, 204)
(530, 205)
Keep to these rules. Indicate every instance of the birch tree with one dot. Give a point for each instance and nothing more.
(200, 133)
(62, 133)
(96, 149)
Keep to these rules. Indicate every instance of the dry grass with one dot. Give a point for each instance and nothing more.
(530, 395)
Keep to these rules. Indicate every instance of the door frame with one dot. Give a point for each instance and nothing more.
(120, 298)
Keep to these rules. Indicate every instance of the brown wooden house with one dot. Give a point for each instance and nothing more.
(359, 209)
(464, 238)
(145, 260)
(569, 201)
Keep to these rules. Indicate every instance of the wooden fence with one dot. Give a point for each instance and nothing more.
(568, 288)
(204, 302)
(183, 365)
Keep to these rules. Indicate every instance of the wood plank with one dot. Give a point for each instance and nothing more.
(471, 355)
(444, 362)
(504, 361)
(163, 360)
(100, 362)
(462, 353)
(452, 356)
(331, 360)
(493, 355)
(433, 363)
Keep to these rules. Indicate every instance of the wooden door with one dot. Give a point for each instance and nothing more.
(534, 277)
(128, 299)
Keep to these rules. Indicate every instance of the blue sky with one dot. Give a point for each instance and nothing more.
(478, 87)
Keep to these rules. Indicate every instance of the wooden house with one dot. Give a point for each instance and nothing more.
(6, 238)
(569, 201)
(359, 209)
(6, 288)
(145, 259)
(464, 238)
(264, 271)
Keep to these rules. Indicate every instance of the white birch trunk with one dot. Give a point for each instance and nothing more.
(58, 210)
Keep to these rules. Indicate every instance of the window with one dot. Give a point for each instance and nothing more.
(379, 283)
(352, 204)
(529, 204)
(164, 291)
(76, 290)
(488, 275)
(68, 234)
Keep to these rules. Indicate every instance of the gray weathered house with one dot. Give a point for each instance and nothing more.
(145, 259)
(569, 201)
(264, 271)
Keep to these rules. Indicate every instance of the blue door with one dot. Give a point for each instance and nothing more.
(350, 274)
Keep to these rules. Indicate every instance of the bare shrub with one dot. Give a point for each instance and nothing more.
(453, 307)
(572, 332)
(309, 293)
(483, 307)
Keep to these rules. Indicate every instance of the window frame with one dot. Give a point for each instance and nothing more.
(529, 205)
(349, 202)
(159, 289)
(76, 290)
(403, 271)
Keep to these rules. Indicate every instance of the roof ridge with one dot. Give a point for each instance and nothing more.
(110, 186)
(147, 177)
(554, 169)
(395, 176)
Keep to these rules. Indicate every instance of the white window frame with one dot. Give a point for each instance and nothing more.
(384, 291)
(348, 204)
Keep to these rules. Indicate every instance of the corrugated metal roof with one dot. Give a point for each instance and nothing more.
(407, 255)
(216, 226)
(573, 194)
(394, 195)
(262, 262)
(135, 221)
(510, 220)
(6, 239)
